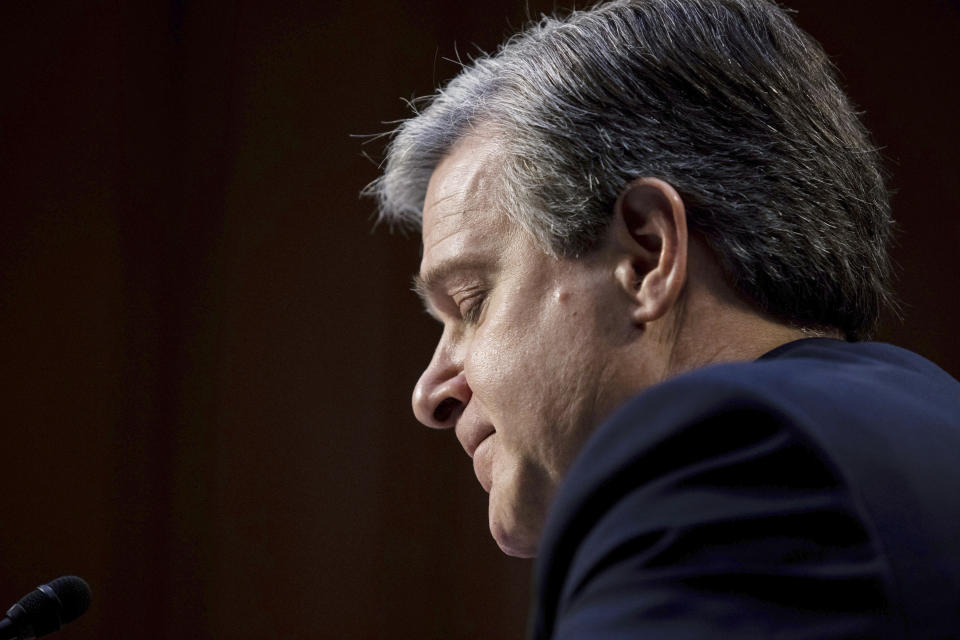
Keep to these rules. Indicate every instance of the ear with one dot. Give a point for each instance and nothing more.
(650, 235)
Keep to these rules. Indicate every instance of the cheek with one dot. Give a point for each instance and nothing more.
(523, 373)
(529, 363)
(497, 368)
(505, 369)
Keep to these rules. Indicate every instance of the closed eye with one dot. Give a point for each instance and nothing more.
(471, 308)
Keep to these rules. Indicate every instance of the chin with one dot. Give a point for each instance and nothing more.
(514, 546)
(514, 537)
(517, 511)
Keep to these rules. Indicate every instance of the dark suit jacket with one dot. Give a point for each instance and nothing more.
(813, 493)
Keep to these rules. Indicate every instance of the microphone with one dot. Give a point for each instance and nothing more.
(46, 608)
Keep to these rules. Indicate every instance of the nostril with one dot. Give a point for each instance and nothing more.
(445, 409)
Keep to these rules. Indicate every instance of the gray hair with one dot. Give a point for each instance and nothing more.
(727, 100)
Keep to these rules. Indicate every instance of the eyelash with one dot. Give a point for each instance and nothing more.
(471, 315)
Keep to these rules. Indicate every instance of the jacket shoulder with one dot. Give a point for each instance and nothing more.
(725, 472)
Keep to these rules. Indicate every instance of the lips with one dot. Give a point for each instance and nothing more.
(470, 438)
(483, 462)
(477, 441)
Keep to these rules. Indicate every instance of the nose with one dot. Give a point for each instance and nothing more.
(442, 393)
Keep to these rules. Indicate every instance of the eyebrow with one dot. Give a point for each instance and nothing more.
(427, 284)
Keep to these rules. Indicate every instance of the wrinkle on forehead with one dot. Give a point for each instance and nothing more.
(441, 200)
(467, 176)
(462, 229)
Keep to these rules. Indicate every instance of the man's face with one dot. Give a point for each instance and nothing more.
(526, 366)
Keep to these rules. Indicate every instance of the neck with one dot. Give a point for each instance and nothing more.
(713, 324)
(729, 338)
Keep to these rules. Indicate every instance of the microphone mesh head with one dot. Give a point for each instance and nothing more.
(74, 594)
(46, 613)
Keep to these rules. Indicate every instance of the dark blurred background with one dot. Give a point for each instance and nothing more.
(206, 353)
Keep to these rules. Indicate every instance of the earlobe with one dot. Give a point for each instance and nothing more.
(650, 234)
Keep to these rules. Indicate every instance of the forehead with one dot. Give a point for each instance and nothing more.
(461, 217)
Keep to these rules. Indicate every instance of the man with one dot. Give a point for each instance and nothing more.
(655, 233)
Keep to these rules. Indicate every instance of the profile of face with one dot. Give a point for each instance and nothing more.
(535, 350)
